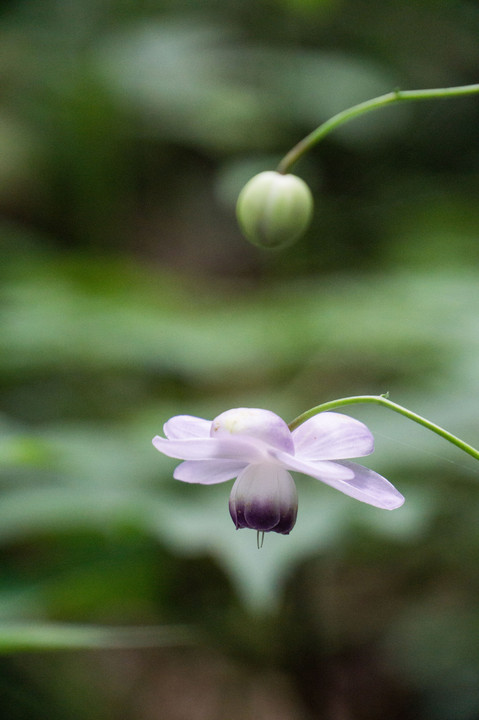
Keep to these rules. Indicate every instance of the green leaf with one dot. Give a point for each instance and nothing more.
(42, 636)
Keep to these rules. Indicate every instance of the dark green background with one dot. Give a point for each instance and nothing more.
(127, 295)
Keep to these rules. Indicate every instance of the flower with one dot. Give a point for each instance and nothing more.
(274, 210)
(258, 449)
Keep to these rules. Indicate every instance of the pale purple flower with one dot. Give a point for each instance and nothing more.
(257, 447)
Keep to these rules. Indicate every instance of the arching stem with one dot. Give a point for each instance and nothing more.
(385, 402)
(345, 116)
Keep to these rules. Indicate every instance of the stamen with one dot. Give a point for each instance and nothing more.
(259, 539)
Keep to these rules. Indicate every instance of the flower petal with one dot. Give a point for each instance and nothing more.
(181, 427)
(254, 422)
(240, 448)
(332, 436)
(208, 472)
(321, 469)
(372, 488)
(360, 482)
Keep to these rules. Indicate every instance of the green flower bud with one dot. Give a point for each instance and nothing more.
(274, 210)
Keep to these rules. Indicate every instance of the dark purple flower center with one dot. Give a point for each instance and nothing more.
(264, 498)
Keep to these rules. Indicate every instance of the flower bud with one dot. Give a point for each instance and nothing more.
(274, 210)
(264, 498)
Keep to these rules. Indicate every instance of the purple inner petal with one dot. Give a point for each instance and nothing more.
(264, 498)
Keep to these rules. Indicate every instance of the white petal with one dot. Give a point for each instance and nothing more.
(332, 436)
(208, 472)
(254, 422)
(244, 449)
(359, 482)
(325, 470)
(372, 488)
(181, 427)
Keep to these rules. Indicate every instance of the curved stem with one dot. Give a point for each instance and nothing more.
(346, 115)
(385, 402)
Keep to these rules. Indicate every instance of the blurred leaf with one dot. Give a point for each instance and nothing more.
(174, 74)
(17, 153)
(18, 450)
(27, 512)
(226, 95)
(28, 637)
(63, 316)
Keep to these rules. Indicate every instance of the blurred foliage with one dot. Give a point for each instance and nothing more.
(127, 295)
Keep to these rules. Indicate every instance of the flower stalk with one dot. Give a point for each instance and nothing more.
(386, 402)
(396, 96)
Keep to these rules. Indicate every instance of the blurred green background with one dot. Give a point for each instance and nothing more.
(127, 295)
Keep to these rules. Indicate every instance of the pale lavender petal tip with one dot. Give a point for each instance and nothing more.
(369, 487)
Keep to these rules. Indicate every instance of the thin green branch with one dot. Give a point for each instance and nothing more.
(346, 115)
(385, 402)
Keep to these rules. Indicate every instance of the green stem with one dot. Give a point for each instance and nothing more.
(385, 402)
(346, 115)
